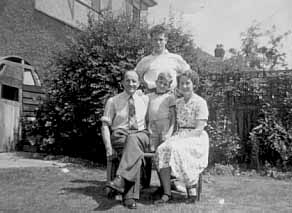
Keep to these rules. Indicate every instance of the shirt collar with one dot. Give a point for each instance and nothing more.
(159, 93)
(164, 52)
(127, 96)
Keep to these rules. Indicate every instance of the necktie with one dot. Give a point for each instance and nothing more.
(132, 115)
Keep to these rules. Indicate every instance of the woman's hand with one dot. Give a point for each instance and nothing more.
(200, 127)
(197, 132)
(110, 152)
(165, 137)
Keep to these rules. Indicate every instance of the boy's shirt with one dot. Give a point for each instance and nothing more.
(159, 105)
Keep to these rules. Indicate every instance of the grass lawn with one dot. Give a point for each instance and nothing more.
(81, 190)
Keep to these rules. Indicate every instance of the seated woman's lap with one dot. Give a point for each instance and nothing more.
(186, 156)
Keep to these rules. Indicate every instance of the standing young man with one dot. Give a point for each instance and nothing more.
(161, 60)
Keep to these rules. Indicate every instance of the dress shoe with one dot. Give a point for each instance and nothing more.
(130, 204)
(165, 198)
(118, 184)
(157, 193)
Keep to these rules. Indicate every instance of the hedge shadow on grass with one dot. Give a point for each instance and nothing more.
(96, 190)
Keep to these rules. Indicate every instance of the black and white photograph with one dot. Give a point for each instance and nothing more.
(146, 106)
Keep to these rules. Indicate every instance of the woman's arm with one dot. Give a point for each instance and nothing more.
(171, 123)
(200, 125)
(201, 116)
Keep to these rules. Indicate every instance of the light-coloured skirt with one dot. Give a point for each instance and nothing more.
(186, 154)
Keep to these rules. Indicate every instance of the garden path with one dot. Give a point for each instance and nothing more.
(21, 160)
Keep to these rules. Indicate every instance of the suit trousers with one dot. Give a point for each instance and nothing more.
(134, 144)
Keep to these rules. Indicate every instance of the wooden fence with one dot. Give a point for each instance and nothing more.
(242, 110)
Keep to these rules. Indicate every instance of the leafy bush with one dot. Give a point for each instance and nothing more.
(270, 134)
(265, 134)
(82, 79)
(224, 144)
(270, 141)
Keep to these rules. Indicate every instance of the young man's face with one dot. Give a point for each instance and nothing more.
(131, 82)
(158, 42)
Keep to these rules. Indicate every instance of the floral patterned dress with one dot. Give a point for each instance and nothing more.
(185, 153)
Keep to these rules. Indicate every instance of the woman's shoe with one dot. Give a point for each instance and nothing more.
(130, 204)
(163, 200)
(179, 187)
(191, 200)
(192, 195)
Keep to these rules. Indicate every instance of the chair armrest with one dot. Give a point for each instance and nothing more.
(149, 154)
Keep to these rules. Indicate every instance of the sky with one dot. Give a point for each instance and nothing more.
(214, 22)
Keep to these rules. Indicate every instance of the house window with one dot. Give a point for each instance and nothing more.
(36, 78)
(9, 93)
(128, 8)
(136, 15)
(106, 4)
(95, 4)
(28, 78)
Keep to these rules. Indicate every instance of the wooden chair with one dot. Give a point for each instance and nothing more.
(198, 186)
(112, 166)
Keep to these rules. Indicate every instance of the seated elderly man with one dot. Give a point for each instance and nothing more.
(124, 116)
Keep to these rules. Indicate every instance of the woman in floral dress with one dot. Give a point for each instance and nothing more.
(185, 154)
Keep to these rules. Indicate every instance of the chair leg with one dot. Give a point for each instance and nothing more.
(109, 164)
(146, 173)
(111, 168)
(199, 187)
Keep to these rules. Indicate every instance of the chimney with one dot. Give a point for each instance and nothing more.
(219, 51)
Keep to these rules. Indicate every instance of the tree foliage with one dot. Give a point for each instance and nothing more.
(261, 49)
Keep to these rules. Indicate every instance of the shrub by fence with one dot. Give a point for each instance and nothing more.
(257, 107)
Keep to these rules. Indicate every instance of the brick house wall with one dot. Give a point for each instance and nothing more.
(35, 36)
(30, 34)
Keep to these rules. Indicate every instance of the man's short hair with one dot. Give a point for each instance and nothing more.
(125, 73)
(159, 29)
